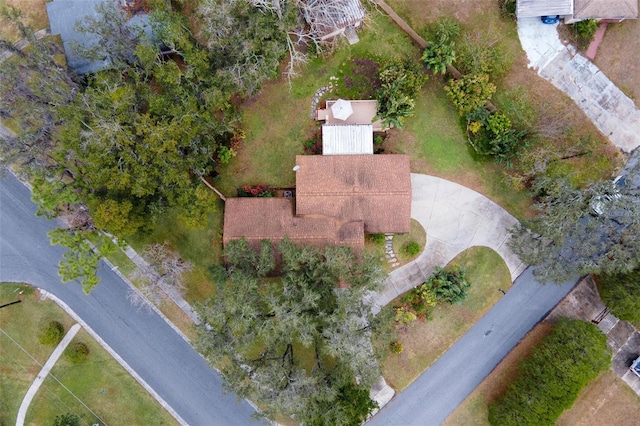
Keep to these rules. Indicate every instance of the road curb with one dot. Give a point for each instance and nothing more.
(115, 356)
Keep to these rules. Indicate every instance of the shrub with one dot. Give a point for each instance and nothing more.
(492, 135)
(417, 302)
(376, 238)
(404, 316)
(225, 154)
(76, 352)
(67, 420)
(470, 92)
(550, 380)
(259, 190)
(312, 146)
(401, 82)
(411, 248)
(440, 53)
(449, 285)
(585, 30)
(51, 333)
(508, 8)
(396, 347)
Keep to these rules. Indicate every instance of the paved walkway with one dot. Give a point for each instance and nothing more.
(592, 51)
(455, 218)
(44, 372)
(584, 303)
(613, 113)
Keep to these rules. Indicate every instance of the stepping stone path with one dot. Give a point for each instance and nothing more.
(318, 95)
(388, 249)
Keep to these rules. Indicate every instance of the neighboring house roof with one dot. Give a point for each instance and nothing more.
(258, 219)
(63, 16)
(605, 9)
(344, 139)
(532, 8)
(373, 188)
(330, 17)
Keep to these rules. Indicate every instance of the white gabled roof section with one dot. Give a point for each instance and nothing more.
(533, 8)
(347, 139)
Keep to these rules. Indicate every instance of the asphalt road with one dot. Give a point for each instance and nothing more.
(435, 394)
(152, 348)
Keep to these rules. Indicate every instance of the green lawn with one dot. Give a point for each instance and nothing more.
(100, 387)
(425, 341)
(278, 121)
(21, 355)
(417, 234)
(124, 401)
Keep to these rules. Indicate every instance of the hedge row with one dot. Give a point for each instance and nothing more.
(550, 380)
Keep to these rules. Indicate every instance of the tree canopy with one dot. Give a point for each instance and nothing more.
(34, 82)
(247, 38)
(298, 345)
(580, 231)
(550, 380)
(621, 294)
(130, 142)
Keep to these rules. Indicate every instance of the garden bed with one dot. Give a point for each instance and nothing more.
(425, 341)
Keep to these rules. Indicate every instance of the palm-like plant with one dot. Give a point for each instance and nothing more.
(449, 285)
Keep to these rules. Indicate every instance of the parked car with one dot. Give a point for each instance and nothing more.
(550, 19)
(635, 367)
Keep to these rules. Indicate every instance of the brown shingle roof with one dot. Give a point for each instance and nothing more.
(373, 188)
(273, 219)
(605, 9)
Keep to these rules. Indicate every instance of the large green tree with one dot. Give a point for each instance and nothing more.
(134, 152)
(139, 138)
(298, 345)
(580, 231)
(34, 82)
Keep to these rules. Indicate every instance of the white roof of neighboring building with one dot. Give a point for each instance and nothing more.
(532, 8)
(347, 139)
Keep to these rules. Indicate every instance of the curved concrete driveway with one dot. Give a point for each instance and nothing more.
(455, 218)
(613, 113)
